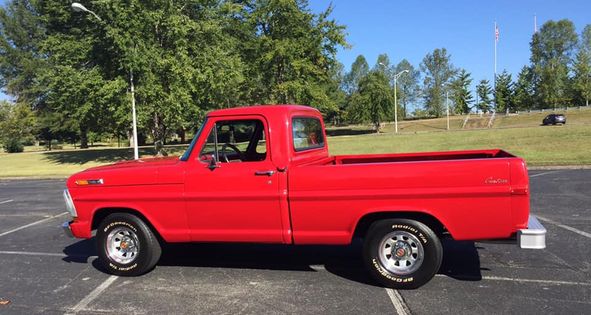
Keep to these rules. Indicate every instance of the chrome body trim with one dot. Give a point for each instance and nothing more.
(70, 204)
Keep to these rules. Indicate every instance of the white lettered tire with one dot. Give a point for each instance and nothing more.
(126, 245)
(402, 253)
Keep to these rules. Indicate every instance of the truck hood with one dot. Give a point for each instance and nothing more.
(147, 171)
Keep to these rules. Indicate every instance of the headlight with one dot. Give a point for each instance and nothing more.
(69, 204)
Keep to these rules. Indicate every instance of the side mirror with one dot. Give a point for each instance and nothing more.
(213, 163)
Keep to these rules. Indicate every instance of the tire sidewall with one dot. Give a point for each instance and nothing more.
(431, 259)
(138, 265)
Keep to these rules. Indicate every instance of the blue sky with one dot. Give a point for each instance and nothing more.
(410, 29)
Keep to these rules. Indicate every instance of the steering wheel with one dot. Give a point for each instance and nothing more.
(233, 147)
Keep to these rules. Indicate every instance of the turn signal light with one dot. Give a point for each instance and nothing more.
(84, 182)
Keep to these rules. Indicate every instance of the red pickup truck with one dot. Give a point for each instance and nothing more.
(263, 174)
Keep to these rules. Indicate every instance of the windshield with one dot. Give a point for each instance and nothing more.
(187, 153)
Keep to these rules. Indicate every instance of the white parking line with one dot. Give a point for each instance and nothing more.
(535, 281)
(542, 174)
(554, 282)
(32, 224)
(6, 201)
(93, 295)
(9, 252)
(566, 227)
(399, 305)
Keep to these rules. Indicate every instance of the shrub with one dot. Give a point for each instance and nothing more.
(13, 145)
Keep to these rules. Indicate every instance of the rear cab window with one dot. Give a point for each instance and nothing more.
(307, 133)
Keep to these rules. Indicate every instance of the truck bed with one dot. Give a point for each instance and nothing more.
(477, 194)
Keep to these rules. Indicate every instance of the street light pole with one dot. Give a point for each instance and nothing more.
(447, 107)
(77, 7)
(136, 154)
(396, 99)
(446, 104)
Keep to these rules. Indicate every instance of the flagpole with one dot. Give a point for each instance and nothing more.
(495, 74)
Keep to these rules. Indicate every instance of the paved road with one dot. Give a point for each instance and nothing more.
(43, 271)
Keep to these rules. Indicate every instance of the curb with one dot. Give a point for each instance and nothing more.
(559, 167)
(49, 177)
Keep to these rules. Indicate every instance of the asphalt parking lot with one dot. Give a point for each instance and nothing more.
(43, 271)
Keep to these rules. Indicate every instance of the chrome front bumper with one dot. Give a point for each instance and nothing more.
(67, 230)
(534, 237)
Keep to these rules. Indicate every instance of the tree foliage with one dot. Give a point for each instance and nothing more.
(438, 72)
(484, 96)
(503, 92)
(408, 85)
(374, 100)
(552, 48)
(523, 90)
(359, 69)
(186, 57)
(460, 91)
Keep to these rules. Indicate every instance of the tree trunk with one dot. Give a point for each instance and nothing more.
(182, 134)
(83, 138)
(158, 132)
(130, 137)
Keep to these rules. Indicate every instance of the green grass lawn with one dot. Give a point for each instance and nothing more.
(521, 135)
(550, 145)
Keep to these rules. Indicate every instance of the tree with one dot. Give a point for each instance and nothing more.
(359, 69)
(374, 101)
(438, 71)
(383, 65)
(523, 91)
(187, 57)
(293, 50)
(586, 38)
(484, 91)
(551, 52)
(17, 124)
(582, 67)
(503, 92)
(460, 92)
(408, 84)
(21, 35)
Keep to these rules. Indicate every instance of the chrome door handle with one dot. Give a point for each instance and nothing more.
(264, 173)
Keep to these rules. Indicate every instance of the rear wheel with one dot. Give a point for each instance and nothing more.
(126, 245)
(402, 253)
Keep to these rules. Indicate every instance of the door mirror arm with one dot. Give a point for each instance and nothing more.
(213, 163)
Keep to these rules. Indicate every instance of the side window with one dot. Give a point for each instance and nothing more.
(236, 141)
(307, 133)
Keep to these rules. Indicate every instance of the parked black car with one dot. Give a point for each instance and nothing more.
(554, 119)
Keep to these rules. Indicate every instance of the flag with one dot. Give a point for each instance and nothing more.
(496, 33)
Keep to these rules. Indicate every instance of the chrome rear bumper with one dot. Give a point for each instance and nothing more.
(534, 237)
(67, 230)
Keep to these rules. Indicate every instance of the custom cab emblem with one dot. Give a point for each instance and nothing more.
(492, 181)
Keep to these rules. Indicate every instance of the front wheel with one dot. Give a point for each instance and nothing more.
(126, 245)
(402, 253)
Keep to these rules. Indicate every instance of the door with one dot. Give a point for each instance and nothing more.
(232, 188)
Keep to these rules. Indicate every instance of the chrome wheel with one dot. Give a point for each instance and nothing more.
(123, 245)
(401, 253)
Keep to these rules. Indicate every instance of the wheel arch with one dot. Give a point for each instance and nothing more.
(100, 214)
(428, 219)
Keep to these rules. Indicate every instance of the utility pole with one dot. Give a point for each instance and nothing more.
(396, 98)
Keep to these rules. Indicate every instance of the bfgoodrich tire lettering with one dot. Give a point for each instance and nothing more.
(402, 253)
(126, 245)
